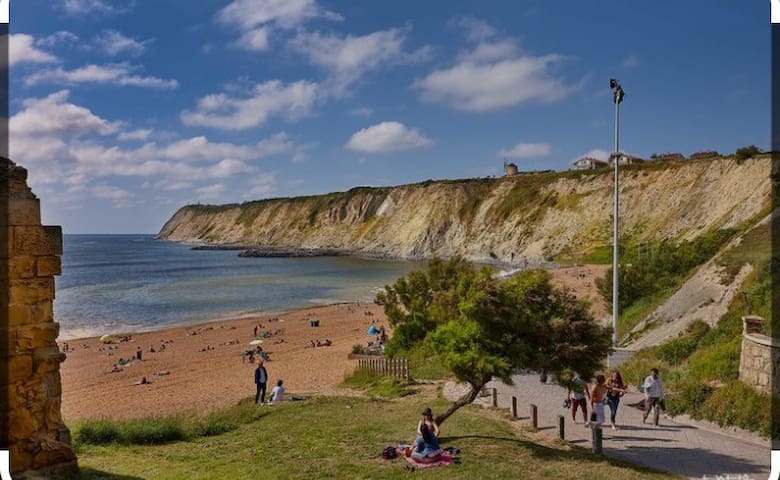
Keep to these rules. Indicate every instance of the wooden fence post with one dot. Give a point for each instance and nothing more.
(561, 423)
(597, 440)
(534, 417)
(514, 407)
(495, 398)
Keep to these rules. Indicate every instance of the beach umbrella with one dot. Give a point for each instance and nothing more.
(372, 330)
(256, 342)
(106, 338)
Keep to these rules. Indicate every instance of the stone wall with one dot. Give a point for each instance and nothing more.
(758, 362)
(39, 442)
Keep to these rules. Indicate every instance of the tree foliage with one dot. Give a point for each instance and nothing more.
(746, 152)
(483, 327)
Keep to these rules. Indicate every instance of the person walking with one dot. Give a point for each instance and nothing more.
(261, 379)
(578, 392)
(597, 396)
(654, 395)
(615, 389)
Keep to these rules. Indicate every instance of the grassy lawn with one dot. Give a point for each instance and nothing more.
(343, 438)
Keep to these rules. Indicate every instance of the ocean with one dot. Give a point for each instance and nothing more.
(119, 283)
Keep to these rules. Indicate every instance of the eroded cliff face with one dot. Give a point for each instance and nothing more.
(526, 216)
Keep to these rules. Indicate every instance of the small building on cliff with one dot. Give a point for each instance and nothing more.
(588, 163)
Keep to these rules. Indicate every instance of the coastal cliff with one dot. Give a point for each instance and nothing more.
(527, 216)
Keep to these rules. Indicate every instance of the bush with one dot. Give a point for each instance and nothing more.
(689, 399)
(98, 432)
(719, 362)
(739, 405)
(746, 152)
(358, 349)
(676, 351)
(153, 431)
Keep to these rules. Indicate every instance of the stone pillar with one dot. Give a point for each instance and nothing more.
(38, 441)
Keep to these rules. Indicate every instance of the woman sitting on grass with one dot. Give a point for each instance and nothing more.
(426, 446)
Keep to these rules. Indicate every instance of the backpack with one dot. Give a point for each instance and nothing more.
(389, 453)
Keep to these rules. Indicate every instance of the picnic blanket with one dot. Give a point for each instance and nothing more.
(444, 459)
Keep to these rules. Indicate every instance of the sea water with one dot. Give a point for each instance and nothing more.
(120, 283)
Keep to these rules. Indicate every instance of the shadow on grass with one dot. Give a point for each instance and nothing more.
(92, 474)
(548, 453)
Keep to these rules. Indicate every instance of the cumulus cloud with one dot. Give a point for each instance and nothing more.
(118, 196)
(493, 75)
(263, 185)
(139, 134)
(255, 20)
(57, 38)
(347, 58)
(22, 49)
(265, 100)
(120, 74)
(212, 192)
(113, 43)
(525, 150)
(54, 115)
(386, 137)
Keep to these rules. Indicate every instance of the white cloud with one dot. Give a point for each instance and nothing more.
(54, 115)
(212, 191)
(57, 38)
(597, 153)
(256, 19)
(113, 43)
(476, 30)
(139, 134)
(386, 137)
(492, 75)
(631, 61)
(265, 100)
(118, 196)
(83, 7)
(21, 48)
(348, 58)
(361, 112)
(120, 74)
(263, 185)
(525, 150)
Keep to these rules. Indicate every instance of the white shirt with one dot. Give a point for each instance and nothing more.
(277, 394)
(654, 388)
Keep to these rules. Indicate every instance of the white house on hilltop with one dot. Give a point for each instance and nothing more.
(588, 163)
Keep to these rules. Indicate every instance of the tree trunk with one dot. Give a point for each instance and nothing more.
(464, 400)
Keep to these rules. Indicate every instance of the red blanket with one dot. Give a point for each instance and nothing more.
(444, 459)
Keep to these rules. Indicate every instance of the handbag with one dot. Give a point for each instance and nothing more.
(662, 404)
(567, 403)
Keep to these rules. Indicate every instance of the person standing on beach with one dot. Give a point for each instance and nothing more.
(138, 353)
(654, 395)
(261, 379)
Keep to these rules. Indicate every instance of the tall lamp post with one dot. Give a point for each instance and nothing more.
(617, 97)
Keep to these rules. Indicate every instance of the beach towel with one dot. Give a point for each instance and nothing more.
(444, 459)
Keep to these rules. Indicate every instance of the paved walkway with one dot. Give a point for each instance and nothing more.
(673, 447)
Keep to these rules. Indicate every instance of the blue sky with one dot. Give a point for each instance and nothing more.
(125, 111)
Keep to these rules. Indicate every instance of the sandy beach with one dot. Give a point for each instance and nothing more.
(205, 367)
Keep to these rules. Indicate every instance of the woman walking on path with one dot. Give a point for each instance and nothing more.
(615, 389)
(578, 391)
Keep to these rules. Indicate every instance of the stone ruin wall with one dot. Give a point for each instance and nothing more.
(760, 357)
(39, 442)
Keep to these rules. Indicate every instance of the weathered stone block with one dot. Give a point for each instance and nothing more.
(21, 267)
(35, 240)
(20, 211)
(20, 367)
(22, 424)
(37, 335)
(42, 312)
(20, 459)
(31, 291)
(19, 315)
(52, 453)
(47, 266)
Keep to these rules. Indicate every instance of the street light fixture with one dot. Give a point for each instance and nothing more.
(617, 98)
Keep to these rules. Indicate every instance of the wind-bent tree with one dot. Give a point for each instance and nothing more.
(483, 327)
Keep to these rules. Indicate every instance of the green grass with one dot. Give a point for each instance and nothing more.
(377, 385)
(342, 438)
(160, 430)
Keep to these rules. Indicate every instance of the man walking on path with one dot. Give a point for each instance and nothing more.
(654, 395)
(261, 378)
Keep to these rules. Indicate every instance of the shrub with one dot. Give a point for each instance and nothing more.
(746, 152)
(719, 362)
(153, 431)
(676, 351)
(98, 432)
(689, 398)
(210, 427)
(736, 404)
(358, 349)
